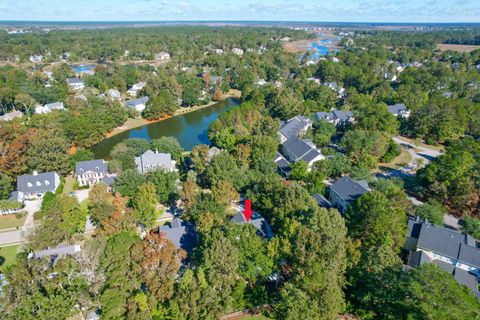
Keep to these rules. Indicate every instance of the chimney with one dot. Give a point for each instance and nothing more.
(248, 209)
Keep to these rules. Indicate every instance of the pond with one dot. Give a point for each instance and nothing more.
(190, 129)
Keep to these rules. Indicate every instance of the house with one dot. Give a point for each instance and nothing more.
(153, 160)
(91, 172)
(138, 104)
(344, 191)
(113, 94)
(212, 152)
(294, 127)
(337, 117)
(11, 115)
(75, 83)
(246, 215)
(283, 166)
(237, 51)
(162, 56)
(451, 250)
(218, 51)
(49, 107)
(296, 149)
(335, 87)
(36, 58)
(182, 234)
(56, 253)
(133, 91)
(322, 201)
(35, 185)
(399, 110)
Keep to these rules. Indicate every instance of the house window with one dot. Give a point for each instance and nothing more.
(38, 183)
(29, 184)
(47, 182)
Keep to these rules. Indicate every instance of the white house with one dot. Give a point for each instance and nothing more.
(138, 104)
(133, 91)
(218, 51)
(153, 160)
(75, 83)
(162, 56)
(49, 107)
(237, 51)
(91, 172)
(32, 186)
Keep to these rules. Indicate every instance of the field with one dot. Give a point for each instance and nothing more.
(456, 47)
(11, 221)
(9, 254)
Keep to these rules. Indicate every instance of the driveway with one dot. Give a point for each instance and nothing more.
(81, 195)
(17, 236)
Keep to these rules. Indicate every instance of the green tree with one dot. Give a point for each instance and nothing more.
(145, 202)
(299, 171)
(433, 211)
(168, 145)
(160, 106)
(101, 203)
(48, 152)
(128, 182)
(6, 186)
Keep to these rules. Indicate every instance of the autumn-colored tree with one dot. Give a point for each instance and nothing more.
(156, 262)
(198, 158)
(217, 95)
(189, 193)
(242, 153)
(223, 192)
(121, 219)
(14, 143)
(101, 203)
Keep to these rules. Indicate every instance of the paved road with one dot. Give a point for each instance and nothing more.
(17, 236)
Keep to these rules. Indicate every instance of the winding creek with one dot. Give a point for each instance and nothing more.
(190, 129)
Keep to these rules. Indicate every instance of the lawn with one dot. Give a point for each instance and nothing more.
(400, 161)
(68, 186)
(12, 221)
(9, 254)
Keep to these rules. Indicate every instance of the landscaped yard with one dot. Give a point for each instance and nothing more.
(12, 221)
(400, 161)
(9, 254)
(69, 182)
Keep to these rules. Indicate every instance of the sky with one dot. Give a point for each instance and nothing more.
(274, 10)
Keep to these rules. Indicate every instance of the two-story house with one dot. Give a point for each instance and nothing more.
(344, 191)
(35, 185)
(336, 117)
(294, 127)
(91, 172)
(153, 160)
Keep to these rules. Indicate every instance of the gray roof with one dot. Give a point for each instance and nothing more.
(300, 150)
(74, 81)
(322, 201)
(397, 108)
(468, 279)
(182, 234)
(256, 220)
(212, 152)
(57, 252)
(282, 163)
(99, 166)
(293, 127)
(440, 240)
(11, 115)
(40, 182)
(348, 189)
(151, 160)
(329, 116)
(54, 105)
(469, 255)
(135, 102)
(340, 115)
(108, 180)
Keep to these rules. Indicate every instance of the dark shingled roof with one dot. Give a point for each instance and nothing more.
(469, 255)
(99, 166)
(292, 127)
(300, 150)
(259, 222)
(397, 108)
(440, 240)
(181, 233)
(41, 182)
(322, 201)
(468, 279)
(348, 189)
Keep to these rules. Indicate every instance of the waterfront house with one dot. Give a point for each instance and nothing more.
(296, 149)
(399, 110)
(336, 117)
(75, 83)
(451, 250)
(35, 185)
(11, 115)
(137, 104)
(153, 160)
(91, 172)
(294, 127)
(344, 191)
(133, 91)
(182, 234)
(49, 107)
(246, 215)
(162, 56)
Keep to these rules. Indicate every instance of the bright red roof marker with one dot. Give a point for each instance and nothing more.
(248, 209)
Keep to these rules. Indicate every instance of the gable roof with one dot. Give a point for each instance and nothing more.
(397, 108)
(334, 115)
(40, 182)
(300, 149)
(293, 127)
(99, 166)
(150, 159)
(440, 240)
(322, 201)
(282, 163)
(469, 255)
(181, 233)
(348, 189)
(54, 105)
(135, 102)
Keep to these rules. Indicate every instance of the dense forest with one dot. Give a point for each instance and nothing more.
(319, 264)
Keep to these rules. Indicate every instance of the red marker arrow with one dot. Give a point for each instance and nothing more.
(248, 209)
